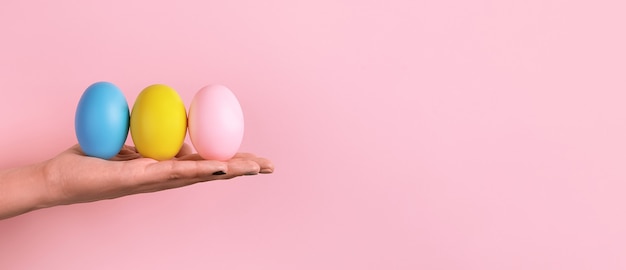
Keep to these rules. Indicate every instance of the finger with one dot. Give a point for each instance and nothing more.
(184, 150)
(130, 148)
(126, 153)
(266, 165)
(187, 169)
(244, 155)
(126, 157)
(190, 157)
(239, 167)
(197, 156)
(127, 150)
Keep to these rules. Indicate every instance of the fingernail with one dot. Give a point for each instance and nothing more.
(267, 171)
(219, 173)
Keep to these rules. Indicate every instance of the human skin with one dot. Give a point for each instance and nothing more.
(72, 177)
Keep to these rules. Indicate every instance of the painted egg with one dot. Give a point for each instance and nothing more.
(158, 122)
(101, 120)
(216, 123)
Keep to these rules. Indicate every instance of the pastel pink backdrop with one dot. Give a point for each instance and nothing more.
(406, 134)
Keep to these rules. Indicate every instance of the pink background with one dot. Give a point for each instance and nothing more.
(406, 134)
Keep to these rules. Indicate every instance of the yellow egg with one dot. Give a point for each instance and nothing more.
(158, 122)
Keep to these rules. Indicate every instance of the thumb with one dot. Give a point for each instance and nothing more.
(183, 169)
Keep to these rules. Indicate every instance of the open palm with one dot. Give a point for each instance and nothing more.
(72, 177)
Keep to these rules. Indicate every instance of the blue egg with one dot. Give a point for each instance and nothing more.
(102, 119)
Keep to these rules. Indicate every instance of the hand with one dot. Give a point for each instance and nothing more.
(71, 177)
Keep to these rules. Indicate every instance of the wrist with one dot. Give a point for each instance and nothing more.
(23, 189)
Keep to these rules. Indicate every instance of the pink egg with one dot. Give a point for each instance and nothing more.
(215, 123)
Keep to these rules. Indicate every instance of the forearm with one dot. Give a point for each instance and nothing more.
(22, 190)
